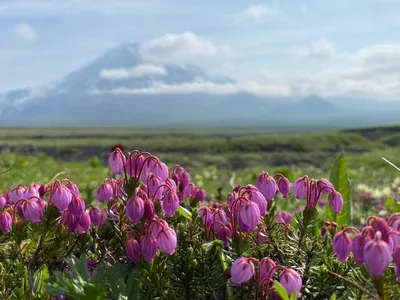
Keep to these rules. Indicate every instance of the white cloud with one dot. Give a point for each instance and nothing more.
(260, 12)
(181, 48)
(136, 72)
(371, 72)
(321, 49)
(203, 87)
(25, 32)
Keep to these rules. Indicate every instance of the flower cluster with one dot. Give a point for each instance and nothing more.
(243, 270)
(246, 205)
(374, 246)
(157, 194)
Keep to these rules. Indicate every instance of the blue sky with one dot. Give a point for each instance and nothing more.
(333, 48)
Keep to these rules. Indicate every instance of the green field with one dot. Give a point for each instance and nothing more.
(213, 156)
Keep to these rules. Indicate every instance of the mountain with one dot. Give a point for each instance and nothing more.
(121, 88)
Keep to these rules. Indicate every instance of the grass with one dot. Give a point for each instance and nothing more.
(212, 157)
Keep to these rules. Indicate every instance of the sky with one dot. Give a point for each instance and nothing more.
(338, 48)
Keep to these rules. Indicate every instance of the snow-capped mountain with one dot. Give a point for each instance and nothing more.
(122, 88)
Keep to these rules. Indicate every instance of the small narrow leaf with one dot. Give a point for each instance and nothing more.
(281, 291)
(185, 213)
(340, 180)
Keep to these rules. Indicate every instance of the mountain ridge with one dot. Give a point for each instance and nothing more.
(126, 94)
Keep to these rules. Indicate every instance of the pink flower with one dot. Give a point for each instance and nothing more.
(250, 214)
(377, 255)
(267, 186)
(132, 250)
(166, 240)
(148, 246)
(135, 209)
(284, 186)
(300, 187)
(60, 196)
(95, 216)
(335, 202)
(105, 192)
(32, 211)
(116, 161)
(242, 270)
(77, 206)
(259, 199)
(267, 270)
(5, 221)
(291, 281)
(341, 244)
(170, 203)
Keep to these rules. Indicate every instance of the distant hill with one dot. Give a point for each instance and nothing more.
(121, 89)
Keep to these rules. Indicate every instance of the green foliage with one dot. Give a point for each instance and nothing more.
(340, 180)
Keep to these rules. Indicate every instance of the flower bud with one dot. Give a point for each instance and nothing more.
(5, 221)
(153, 183)
(31, 191)
(250, 214)
(149, 210)
(134, 165)
(357, 247)
(105, 192)
(3, 201)
(135, 209)
(60, 196)
(396, 259)
(284, 186)
(291, 281)
(17, 194)
(166, 240)
(267, 270)
(267, 186)
(73, 188)
(95, 216)
(83, 223)
(377, 255)
(242, 270)
(284, 217)
(116, 161)
(77, 206)
(132, 250)
(31, 211)
(206, 215)
(325, 186)
(148, 246)
(300, 187)
(170, 203)
(219, 216)
(259, 199)
(341, 244)
(42, 191)
(200, 194)
(335, 202)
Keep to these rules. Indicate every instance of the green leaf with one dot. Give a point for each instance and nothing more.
(333, 297)
(340, 180)
(39, 278)
(281, 291)
(185, 213)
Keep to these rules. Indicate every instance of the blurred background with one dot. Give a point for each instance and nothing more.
(224, 88)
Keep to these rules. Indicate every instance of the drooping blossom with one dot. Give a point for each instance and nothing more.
(377, 255)
(341, 244)
(291, 281)
(242, 270)
(132, 250)
(267, 186)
